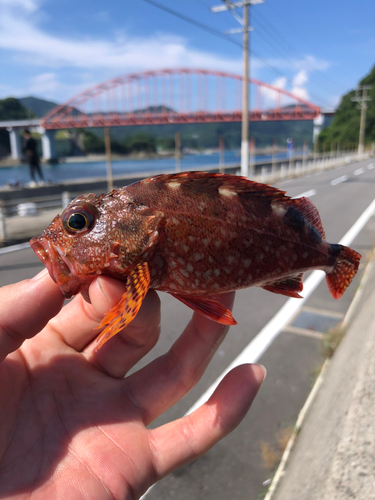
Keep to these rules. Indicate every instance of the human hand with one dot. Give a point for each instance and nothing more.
(71, 425)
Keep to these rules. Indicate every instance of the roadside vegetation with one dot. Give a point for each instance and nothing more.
(344, 129)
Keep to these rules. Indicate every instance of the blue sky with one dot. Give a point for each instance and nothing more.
(54, 49)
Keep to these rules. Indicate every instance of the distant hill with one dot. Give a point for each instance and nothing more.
(39, 107)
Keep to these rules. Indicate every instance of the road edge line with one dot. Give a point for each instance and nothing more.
(315, 389)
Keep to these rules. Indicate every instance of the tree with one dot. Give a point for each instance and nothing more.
(344, 128)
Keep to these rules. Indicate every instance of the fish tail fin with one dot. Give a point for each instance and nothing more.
(343, 271)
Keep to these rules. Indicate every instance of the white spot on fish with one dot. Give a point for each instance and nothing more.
(217, 243)
(181, 261)
(189, 267)
(217, 272)
(230, 259)
(205, 241)
(228, 192)
(173, 185)
(278, 209)
(175, 221)
(191, 238)
(198, 256)
(207, 274)
(246, 262)
(184, 273)
(210, 259)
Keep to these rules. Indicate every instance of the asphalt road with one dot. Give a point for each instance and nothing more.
(239, 466)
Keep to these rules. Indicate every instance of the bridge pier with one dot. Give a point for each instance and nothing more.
(15, 143)
(48, 145)
(318, 125)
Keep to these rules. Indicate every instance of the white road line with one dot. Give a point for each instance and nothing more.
(343, 178)
(359, 171)
(13, 248)
(306, 194)
(260, 343)
(370, 166)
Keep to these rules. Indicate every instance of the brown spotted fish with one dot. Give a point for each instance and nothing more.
(193, 235)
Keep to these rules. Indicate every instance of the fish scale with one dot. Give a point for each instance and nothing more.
(194, 235)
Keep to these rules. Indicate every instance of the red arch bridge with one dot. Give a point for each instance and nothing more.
(176, 96)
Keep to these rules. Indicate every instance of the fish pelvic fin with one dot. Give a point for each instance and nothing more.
(209, 308)
(343, 271)
(290, 286)
(127, 308)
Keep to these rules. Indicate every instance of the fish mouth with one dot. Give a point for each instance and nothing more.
(59, 267)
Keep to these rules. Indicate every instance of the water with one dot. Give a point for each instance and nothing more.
(81, 170)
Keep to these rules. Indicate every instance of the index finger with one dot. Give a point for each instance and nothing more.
(176, 372)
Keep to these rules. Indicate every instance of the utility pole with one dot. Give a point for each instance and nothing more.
(244, 21)
(363, 107)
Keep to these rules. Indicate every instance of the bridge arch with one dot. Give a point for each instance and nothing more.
(175, 96)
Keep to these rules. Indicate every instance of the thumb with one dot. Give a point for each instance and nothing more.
(26, 307)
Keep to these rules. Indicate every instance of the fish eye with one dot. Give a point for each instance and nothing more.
(78, 220)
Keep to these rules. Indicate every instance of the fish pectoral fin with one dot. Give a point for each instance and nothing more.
(209, 308)
(288, 286)
(126, 309)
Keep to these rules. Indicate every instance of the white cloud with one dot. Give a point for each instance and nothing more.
(27, 5)
(19, 34)
(91, 60)
(300, 79)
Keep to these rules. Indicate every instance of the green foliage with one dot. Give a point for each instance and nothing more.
(11, 109)
(140, 143)
(344, 128)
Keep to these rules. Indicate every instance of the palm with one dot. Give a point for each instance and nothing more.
(70, 414)
(72, 426)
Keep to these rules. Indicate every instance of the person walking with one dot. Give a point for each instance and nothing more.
(33, 159)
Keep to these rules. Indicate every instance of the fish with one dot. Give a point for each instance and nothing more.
(193, 235)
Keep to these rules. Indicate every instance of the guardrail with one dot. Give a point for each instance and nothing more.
(22, 218)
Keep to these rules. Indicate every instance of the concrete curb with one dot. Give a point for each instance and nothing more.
(347, 320)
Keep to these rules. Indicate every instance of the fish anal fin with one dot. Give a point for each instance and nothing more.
(126, 309)
(209, 308)
(310, 212)
(290, 286)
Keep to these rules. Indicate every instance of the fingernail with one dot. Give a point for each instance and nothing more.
(99, 283)
(264, 370)
(40, 275)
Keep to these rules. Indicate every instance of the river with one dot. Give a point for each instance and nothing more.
(19, 175)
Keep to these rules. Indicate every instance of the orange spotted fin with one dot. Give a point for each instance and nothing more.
(343, 271)
(210, 308)
(288, 286)
(128, 306)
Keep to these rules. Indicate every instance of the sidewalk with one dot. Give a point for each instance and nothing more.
(334, 456)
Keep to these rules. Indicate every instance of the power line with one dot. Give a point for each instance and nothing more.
(223, 36)
(193, 22)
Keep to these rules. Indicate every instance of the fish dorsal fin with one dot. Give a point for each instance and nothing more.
(310, 212)
(290, 286)
(224, 183)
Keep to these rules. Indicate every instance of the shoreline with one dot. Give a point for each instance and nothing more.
(7, 162)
